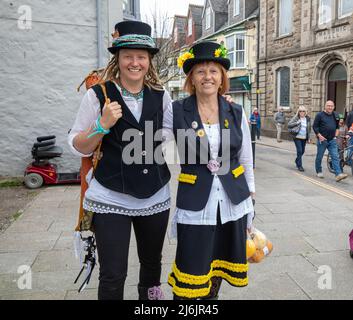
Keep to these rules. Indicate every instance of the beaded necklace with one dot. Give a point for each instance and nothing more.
(127, 93)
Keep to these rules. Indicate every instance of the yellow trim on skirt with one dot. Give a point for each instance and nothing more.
(188, 293)
(205, 279)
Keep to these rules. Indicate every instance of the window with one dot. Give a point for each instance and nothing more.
(236, 50)
(236, 4)
(175, 34)
(285, 17)
(325, 11)
(208, 17)
(190, 27)
(128, 7)
(345, 8)
(283, 87)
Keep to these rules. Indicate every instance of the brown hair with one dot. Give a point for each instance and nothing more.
(111, 72)
(190, 88)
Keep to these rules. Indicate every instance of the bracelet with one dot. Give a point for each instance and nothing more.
(98, 128)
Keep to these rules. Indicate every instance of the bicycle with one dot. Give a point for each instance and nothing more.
(346, 157)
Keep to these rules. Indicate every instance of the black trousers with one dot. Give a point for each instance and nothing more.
(112, 232)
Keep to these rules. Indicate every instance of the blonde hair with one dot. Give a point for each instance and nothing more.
(302, 108)
(190, 88)
(112, 72)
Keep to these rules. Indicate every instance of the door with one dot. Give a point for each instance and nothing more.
(337, 87)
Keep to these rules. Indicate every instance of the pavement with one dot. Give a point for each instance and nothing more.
(307, 219)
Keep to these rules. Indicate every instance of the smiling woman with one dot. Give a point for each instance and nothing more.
(214, 207)
(120, 194)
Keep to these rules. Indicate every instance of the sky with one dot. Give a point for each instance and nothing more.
(165, 8)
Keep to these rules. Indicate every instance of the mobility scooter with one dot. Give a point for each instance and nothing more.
(41, 171)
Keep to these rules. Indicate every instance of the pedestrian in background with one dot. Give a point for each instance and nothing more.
(256, 119)
(326, 129)
(280, 120)
(302, 121)
(349, 119)
(342, 132)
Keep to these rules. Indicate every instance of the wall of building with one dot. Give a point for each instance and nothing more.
(40, 69)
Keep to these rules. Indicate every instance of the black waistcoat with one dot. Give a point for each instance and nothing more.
(141, 180)
(194, 196)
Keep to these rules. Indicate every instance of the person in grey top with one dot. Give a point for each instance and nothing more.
(280, 120)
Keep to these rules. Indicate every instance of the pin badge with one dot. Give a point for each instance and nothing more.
(201, 133)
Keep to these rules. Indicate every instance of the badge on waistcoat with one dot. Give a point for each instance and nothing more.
(226, 123)
(200, 133)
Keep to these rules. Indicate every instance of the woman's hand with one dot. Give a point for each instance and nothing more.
(112, 112)
(228, 98)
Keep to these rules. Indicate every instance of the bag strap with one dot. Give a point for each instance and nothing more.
(106, 101)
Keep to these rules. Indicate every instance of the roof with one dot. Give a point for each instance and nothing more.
(196, 13)
(180, 22)
(219, 5)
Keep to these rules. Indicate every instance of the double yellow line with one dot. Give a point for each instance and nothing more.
(326, 186)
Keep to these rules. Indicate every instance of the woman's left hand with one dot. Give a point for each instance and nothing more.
(228, 98)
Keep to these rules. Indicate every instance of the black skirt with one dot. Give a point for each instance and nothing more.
(205, 251)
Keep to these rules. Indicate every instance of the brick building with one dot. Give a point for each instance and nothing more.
(305, 56)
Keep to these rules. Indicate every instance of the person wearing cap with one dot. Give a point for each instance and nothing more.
(123, 193)
(214, 205)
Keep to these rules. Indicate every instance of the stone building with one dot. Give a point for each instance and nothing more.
(305, 56)
(47, 48)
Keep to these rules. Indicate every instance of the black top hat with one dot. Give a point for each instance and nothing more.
(133, 35)
(206, 51)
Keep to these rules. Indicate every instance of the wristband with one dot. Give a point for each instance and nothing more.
(98, 129)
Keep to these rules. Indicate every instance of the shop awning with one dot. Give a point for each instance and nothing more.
(239, 84)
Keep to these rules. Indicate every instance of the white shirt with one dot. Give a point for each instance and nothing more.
(302, 132)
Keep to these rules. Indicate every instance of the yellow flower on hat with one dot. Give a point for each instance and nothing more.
(217, 53)
(221, 52)
(185, 56)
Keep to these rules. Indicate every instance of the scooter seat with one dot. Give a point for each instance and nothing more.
(45, 138)
(52, 152)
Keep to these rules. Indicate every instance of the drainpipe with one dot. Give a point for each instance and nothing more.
(258, 65)
(99, 35)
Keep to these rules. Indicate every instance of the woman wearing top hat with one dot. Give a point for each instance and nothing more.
(122, 193)
(214, 205)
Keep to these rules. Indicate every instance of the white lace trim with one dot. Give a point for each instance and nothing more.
(99, 207)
